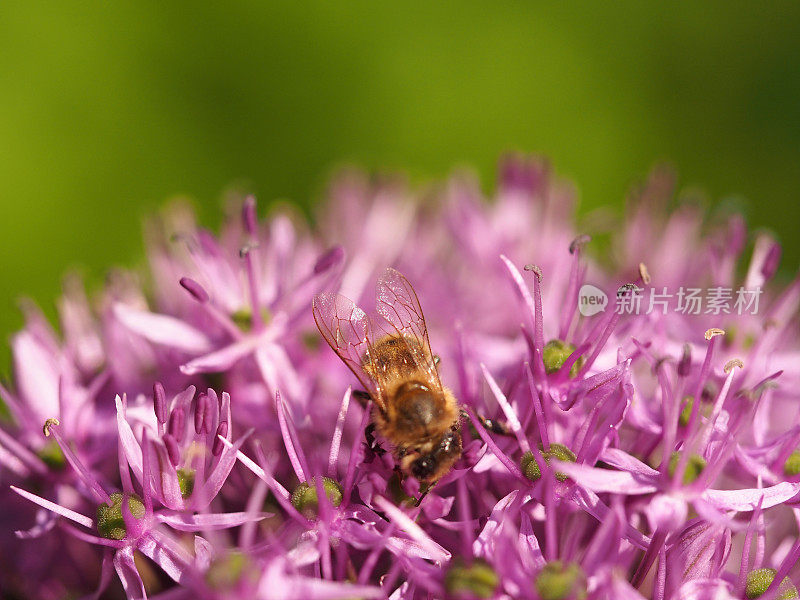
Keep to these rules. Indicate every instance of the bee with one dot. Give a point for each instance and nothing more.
(391, 356)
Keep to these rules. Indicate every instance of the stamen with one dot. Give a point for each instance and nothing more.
(575, 277)
(644, 273)
(711, 335)
(48, 424)
(295, 451)
(436, 552)
(51, 427)
(511, 416)
(685, 363)
(250, 216)
(659, 537)
(222, 431)
(356, 454)
(146, 485)
(541, 420)
(333, 455)
(609, 328)
(538, 333)
(246, 253)
(748, 538)
(330, 258)
(578, 243)
(177, 424)
(551, 517)
(200, 409)
(733, 363)
(173, 452)
(465, 516)
(501, 456)
(212, 405)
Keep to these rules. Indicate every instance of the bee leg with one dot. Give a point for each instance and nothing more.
(436, 360)
(427, 488)
(493, 425)
(372, 443)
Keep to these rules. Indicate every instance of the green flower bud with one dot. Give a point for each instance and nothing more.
(477, 580)
(186, 481)
(694, 467)
(792, 465)
(686, 411)
(244, 318)
(398, 494)
(555, 353)
(227, 571)
(760, 579)
(557, 581)
(304, 497)
(52, 455)
(530, 468)
(110, 522)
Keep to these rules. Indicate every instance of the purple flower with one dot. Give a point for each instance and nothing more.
(607, 453)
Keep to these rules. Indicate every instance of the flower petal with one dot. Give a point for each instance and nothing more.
(747, 499)
(56, 508)
(163, 329)
(605, 480)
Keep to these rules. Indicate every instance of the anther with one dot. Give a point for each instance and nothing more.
(200, 409)
(536, 269)
(197, 291)
(173, 452)
(579, 242)
(328, 259)
(734, 362)
(48, 424)
(159, 402)
(644, 273)
(713, 332)
(177, 421)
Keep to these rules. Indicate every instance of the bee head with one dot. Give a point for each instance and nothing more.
(423, 467)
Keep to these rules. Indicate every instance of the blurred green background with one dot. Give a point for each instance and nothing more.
(107, 109)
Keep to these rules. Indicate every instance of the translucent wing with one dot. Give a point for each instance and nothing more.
(347, 329)
(397, 302)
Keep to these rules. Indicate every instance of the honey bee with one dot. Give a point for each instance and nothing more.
(391, 356)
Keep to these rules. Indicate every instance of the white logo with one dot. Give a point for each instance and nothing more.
(591, 300)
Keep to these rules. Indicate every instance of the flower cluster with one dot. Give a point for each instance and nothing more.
(188, 434)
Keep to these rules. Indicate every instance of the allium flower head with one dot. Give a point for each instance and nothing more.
(628, 418)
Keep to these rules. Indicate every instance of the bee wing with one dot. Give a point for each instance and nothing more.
(348, 330)
(397, 302)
